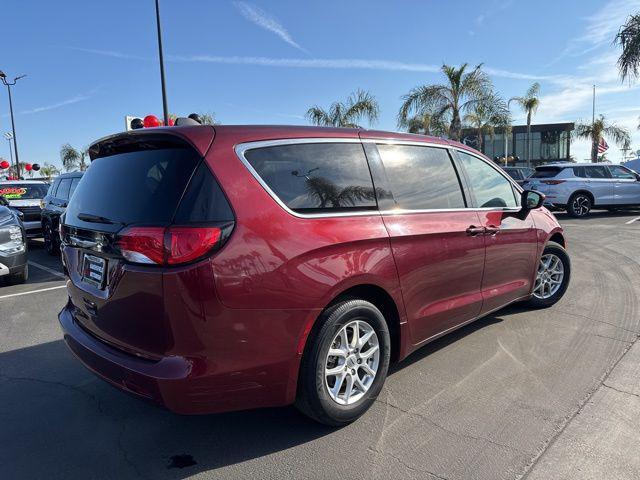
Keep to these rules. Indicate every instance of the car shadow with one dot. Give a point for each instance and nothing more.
(56, 411)
(562, 215)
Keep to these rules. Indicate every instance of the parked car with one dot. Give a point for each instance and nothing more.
(232, 267)
(53, 206)
(579, 187)
(519, 174)
(25, 196)
(13, 245)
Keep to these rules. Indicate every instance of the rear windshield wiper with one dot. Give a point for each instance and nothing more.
(88, 217)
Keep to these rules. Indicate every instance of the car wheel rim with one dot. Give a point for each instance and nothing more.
(581, 205)
(549, 277)
(352, 362)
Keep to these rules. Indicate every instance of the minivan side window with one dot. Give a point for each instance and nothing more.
(490, 188)
(316, 177)
(421, 178)
(621, 173)
(53, 188)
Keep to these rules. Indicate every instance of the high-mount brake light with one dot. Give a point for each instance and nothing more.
(167, 245)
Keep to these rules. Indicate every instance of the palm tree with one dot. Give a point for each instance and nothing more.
(628, 38)
(529, 103)
(360, 105)
(449, 101)
(48, 171)
(425, 124)
(600, 129)
(72, 158)
(486, 115)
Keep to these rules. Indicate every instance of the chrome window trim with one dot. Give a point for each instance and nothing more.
(241, 148)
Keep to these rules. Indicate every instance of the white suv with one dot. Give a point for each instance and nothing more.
(579, 187)
(25, 196)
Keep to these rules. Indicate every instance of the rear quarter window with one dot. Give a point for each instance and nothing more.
(316, 177)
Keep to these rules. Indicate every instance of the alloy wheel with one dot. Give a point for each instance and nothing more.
(352, 362)
(549, 277)
(581, 205)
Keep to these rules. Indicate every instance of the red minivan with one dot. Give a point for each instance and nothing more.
(216, 268)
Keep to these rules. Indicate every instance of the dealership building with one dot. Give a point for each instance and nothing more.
(550, 142)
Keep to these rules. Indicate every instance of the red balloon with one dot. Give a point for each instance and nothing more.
(171, 122)
(28, 167)
(4, 164)
(151, 121)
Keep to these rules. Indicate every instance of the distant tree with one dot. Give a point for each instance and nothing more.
(486, 115)
(448, 101)
(73, 158)
(359, 106)
(628, 38)
(600, 129)
(48, 171)
(425, 124)
(529, 104)
(208, 118)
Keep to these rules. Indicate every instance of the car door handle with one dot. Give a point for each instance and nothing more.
(473, 230)
(491, 230)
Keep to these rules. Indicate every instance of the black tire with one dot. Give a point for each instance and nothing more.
(51, 243)
(561, 253)
(579, 205)
(21, 277)
(313, 398)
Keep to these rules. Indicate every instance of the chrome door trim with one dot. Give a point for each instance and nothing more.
(241, 149)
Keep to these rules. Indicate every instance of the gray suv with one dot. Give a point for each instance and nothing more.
(579, 187)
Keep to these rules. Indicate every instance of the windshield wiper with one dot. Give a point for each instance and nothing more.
(88, 217)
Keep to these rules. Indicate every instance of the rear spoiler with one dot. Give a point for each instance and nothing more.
(199, 137)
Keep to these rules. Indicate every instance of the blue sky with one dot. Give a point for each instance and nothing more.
(89, 64)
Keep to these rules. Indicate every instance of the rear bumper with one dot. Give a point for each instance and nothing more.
(33, 228)
(183, 385)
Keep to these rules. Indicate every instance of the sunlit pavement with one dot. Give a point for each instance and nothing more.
(545, 394)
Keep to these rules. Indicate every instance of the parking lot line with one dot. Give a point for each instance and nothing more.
(632, 220)
(33, 291)
(46, 269)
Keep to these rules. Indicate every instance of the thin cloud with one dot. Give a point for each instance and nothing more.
(268, 22)
(63, 103)
(109, 53)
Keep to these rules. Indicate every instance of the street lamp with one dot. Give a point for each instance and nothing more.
(8, 136)
(506, 133)
(3, 77)
(165, 109)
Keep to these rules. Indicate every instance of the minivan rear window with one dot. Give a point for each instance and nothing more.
(316, 177)
(137, 187)
(546, 172)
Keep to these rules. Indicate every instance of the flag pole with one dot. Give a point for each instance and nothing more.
(593, 112)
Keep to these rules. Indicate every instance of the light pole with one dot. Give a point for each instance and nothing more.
(9, 137)
(506, 133)
(165, 109)
(3, 77)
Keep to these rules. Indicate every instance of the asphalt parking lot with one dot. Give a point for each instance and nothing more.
(537, 394)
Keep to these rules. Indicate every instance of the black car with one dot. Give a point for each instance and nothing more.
(13, 245)
(519, 174)
(54, 204)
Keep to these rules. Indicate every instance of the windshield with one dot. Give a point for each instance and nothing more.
(24, 191)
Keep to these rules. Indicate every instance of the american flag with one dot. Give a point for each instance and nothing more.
(602, 146)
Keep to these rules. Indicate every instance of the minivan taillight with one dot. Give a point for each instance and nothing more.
(168, 245)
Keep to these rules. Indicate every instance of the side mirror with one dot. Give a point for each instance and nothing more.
(531, 199)
(3, 201)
